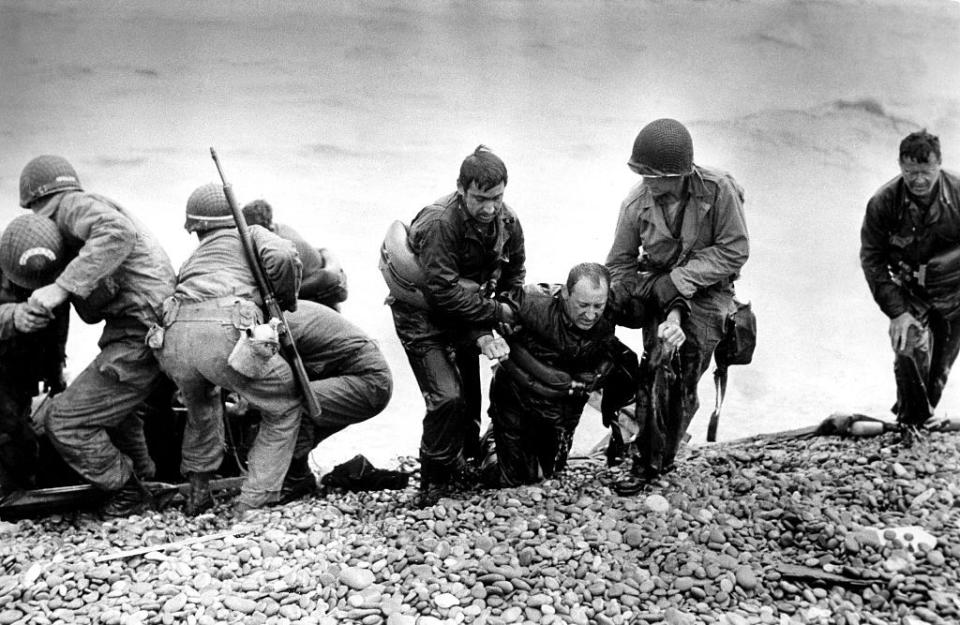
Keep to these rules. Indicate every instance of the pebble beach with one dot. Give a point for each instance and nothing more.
(763, 530)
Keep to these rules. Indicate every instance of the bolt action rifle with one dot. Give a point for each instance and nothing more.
(287, 345)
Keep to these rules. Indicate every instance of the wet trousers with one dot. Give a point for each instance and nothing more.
(360, 390)
(921, 369)
(197, 342)
(668, 397)
(93, 419)
(447, 368)
(532, 434)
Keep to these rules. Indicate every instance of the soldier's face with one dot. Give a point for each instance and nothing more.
(664, 185)
(483, 204)
(584, 303)
(920, 176)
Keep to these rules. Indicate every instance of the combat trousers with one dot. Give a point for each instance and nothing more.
(94, 415)
(921, 369)
(197, 341)
(532, 434)
(447, 368)
(703, 327)
(361, 390)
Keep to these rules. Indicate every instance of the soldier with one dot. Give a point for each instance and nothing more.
(324, 280)
(116, 273)
(210, 340)
(32, 342)
(348, 375)
(680, 241)
(469, 235)
(910, 253)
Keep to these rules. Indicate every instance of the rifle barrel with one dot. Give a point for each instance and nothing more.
(287, 343)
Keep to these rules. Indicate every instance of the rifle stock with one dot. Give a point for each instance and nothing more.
(288, 346)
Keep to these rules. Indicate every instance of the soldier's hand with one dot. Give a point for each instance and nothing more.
(900, 330)
(507, 322)
(49, 297)
(493, 346)
(671, 334)
(29, 318)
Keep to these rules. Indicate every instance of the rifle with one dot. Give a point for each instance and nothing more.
(287, 345)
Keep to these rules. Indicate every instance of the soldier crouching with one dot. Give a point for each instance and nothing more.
(217, 304)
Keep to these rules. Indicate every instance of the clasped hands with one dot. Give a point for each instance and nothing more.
(494, 346)
(37, 312)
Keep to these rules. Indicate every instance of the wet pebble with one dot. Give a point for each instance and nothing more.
(356, 578)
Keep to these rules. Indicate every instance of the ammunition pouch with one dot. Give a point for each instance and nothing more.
(739, 337)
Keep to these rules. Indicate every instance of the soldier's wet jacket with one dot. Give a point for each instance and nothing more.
(899, 237)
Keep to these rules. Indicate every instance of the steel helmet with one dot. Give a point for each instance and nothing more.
(663, 148)
(207, 209)
(45, 175)
(32, 251)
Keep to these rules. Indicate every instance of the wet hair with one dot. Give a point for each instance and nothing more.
(919, 146)
(595, 272)
(484, 168)
(258, 213)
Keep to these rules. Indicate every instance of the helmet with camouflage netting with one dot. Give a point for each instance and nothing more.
(207, 209)
(663, 148)
(32, 251)
(46, 175)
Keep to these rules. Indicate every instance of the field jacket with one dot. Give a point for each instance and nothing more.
(218, 268)
(449, 247)
(713, 243)
(896, 230)
(319, 282)
(118, 269)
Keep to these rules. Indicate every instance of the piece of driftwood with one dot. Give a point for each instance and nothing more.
(798, 571)
(139, 551)
(41, 501)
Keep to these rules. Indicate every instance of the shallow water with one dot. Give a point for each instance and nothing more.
(348, 115)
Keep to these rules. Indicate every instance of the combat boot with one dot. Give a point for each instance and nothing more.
(132, 498)
(298, 482)
(199, 498)
(434, 484)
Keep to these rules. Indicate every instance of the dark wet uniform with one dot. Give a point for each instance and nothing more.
(440, 342)
(897, 229)
(533, 431)
(26, 360)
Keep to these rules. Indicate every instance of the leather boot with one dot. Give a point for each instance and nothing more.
(132, 498)
(434, 484)
(199, 498)
(298, 482)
